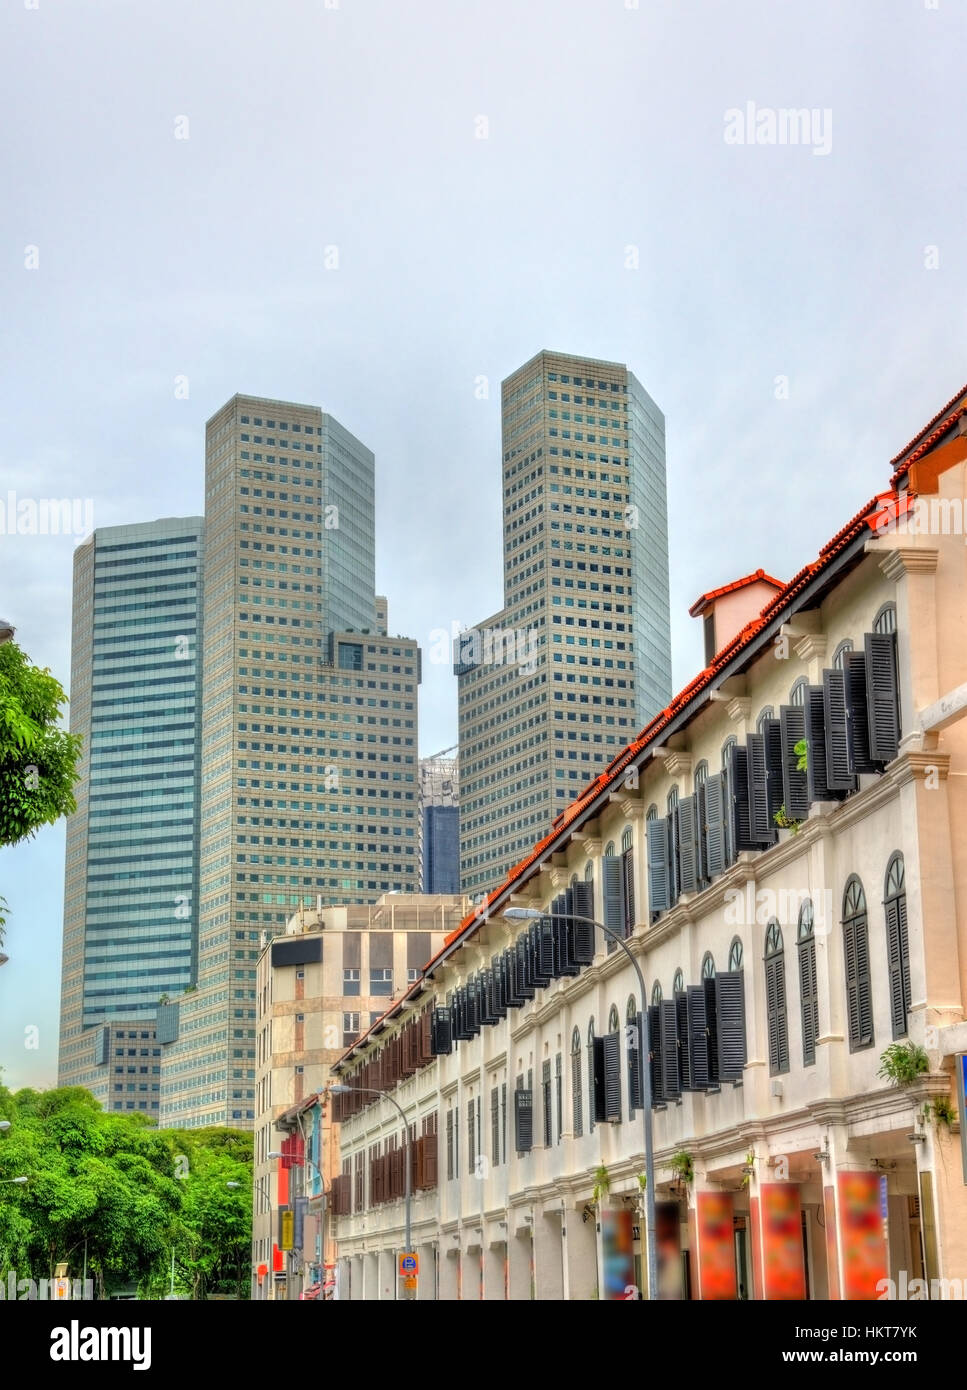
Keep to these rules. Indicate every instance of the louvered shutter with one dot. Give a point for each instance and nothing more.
(818, 788)
(688, 844)
(715, 814)
(711, 1022)
(701, 848)
(857, 713)
(633, 1032)
(761, 828)
(473, 1005)
(730, 1024)
(739, 823)
(611, 1061)
(523, 982)
(810, 1001)
(430, 1164)
(545, 943)
(674, 880)
(671, 1079)
(864, 990)
(614, 896)
(581, 933)
(441, 1041)
(898, 963)
(654, 1058)
(508, 970)
(659, 899)
(772, 752)
(498, 995)
(776, 1013)
(882, 695)
(795, 790)
(684, 1061)
(523, 1120)
(628, 871)
(426, 1036)
(852, 983)
(838, 774)
(535, 941)
(698, 1041)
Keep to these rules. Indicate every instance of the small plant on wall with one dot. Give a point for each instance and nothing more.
(902, 1063)
(801, 750)
(748, 1168)
(942, 1112)
(602, 1184)
(785, 822)
(682, 1166)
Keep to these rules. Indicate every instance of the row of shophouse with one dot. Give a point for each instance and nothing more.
(778, 855)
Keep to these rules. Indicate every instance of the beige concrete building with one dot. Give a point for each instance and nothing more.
(778, 851)
(578, 658)
(318, 987)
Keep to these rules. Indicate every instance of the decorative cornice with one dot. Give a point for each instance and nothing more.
(907, 559)
(679, 763)
(738, 708)
(813, 644)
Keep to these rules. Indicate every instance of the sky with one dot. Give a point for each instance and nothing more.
(384, 209)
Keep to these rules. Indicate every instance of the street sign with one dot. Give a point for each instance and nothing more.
(62, 1288)
(411, 1282)
(409, 1267)
(287, 1219)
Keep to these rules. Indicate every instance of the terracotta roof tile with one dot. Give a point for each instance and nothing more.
(754, 578)
(900, 462)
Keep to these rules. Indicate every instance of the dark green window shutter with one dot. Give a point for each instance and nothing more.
(761, 828)
(441, 1039)
(612, 1075)
(795, 790)
(859, 1001)
(882, 695)
(495, 1125)
(857, 713)
(674, 881)
(592, 1083)
(654, 1058)
(815, 712)
(715, 813)
(546, 1099)
(634, 1051)
(503, 1121)
(776, 1014)
(471, 1139)
(577, 1095)
(684, 1061)
(711, 1022)
(729, 987)
(614, 896)
(581, 932)
(473, 1005)
(659, 899)
(523, 1120)
(838, 774)
(523, 980)
(898, 962)
(688, 861)
(701, 848)
(509, 970)
(671, 1079)
(809, 996)
(772, 750)
(698, 1040)
(739, 819)
(541, 940)
(498, 980)
(628, 872)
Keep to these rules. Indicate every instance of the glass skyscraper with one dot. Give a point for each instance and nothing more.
(131, 904)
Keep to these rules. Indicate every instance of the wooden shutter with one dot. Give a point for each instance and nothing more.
(711, 1022)
(857, 713)
(818, 788)
(761, 828)
(795, 789)
(614, 896)
(701, 848)
(688, 858)
(523, 983)
(628, 869)
(838, 774)
(740, 824)
(426, 1036)
(430, 1160)
(509, 972)
(715, 814)
(494, 1125)
(671, 1080)
(546, 1102)
(633, 1032)
(611, 1051)
(898, 962)
(776, 1014)
(659, 898)
(698, 1040)
(581, 933)
(674, 879)
(772, 753)
(523, 1120)
(730, 1024)
(577, 1094)
(654, 1058)
(809, 998)
(544, 931)
(441, 1037)
(882, 695)
(684, 1061)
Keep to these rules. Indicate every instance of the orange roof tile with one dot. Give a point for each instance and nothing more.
(759, 575)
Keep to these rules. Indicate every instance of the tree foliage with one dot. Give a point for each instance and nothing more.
(38, 760)
(133, 1194)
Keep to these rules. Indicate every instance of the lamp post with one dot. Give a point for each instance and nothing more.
(18, 1181)
(339, 1090)
(524, 914)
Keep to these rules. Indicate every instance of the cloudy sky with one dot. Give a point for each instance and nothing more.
(378, 204)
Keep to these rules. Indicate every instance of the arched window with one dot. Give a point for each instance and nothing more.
(730, 742)
(897, 943)
(672, 800)
(574, 879)
(701, 774)
(764, 714)
(627, 840)
(808, 993)
(633, 1034)
(678, 984)
(839, 655)
(708, 966)
(735, 954)
(609, 850)
(614, 1023)
(656, 994)
(885, 620)
(577, 1085)
(589, 872)
(591, 1074)
(652, 812)
(797, 695)
(778, 1027)
(856, 952)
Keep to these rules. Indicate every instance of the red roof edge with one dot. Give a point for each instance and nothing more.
(701, 603)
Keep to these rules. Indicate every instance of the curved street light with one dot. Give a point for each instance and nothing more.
(19, 1181)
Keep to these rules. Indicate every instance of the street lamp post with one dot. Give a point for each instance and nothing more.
(18, 1181)
(368, 1090)
(521, 914)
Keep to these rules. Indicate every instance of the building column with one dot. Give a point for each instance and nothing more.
(857, 1252)
(449, 1274)
(387, 1275)
(778, 1260)
(712, 1245)
(580, 1256)
(370, 1280)
(548, 1256)
(426, 1291)
(344, 1279)
(520, 1254)
(495, 1257)
(470, 1280)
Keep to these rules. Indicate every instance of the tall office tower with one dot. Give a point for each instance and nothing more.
(309, 765)
(579, 658)
(440, 822)
(130, 920)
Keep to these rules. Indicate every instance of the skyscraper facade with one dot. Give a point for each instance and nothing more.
(130, 907)
(440, 822)
(309, 751)
(579, 657)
